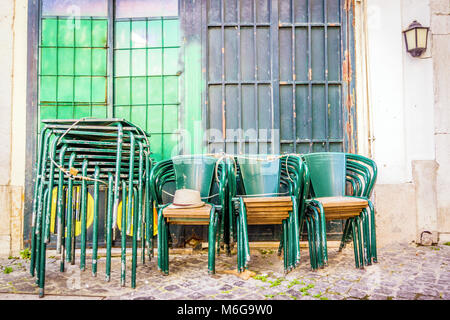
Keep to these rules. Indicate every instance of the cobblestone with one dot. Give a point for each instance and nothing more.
(404, 272)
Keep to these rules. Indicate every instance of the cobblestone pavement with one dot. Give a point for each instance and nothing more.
(404, 272)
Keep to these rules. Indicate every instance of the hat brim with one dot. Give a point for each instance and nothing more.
(190, 206)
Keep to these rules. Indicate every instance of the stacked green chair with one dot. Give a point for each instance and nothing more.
(341, 187)
(273, 193)
(110, 155)
(196, 172)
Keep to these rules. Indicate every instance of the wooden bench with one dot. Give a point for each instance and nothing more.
(342, 207)
(267, 210)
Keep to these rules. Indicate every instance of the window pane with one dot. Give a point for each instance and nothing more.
(155, 90)
(138, 34)
(82, 62)
(96, 8)
(170, 35)
(48, 58)
(145, 8)
(122, 35)
(154, 33)
(82, 89)
(99, 87)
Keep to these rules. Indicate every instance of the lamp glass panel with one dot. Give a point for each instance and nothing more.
(411, 39)
(422, 37)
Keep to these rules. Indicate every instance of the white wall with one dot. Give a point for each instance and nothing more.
(386, 88)
(401, 87)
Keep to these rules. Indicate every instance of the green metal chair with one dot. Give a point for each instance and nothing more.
(74, 155)
(197, 173)
(273, 193)
(341, 187)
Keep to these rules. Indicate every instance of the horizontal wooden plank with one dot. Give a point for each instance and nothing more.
(269, 209)
(328, 202)
(202, 212)
(268, 204)
(269, 216)
(266, 199)
(340, 217)
(189, 222)
(264, 222)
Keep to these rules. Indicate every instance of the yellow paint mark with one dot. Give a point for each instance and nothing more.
(119, 216)
(155, 221)
(89, 211)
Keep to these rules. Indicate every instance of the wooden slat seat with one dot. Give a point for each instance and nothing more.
(267, 210)
(191, 216)
(342, 207)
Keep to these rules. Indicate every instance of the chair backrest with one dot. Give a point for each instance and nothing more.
(194, 172)
(327, 172)
(361, 174)
(260, 174)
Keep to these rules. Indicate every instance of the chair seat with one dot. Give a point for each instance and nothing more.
(191, 216)
(267, 210)
(342, 207)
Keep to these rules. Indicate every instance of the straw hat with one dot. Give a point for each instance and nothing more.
(186, 199)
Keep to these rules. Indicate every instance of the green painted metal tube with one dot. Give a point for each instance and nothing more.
(212, 240)
(310, 245)
(373, 236)
(43, 246)
(239, 249)
(355, 242)
(165, 228)
(118, 168)
(109, 219)
(366, 238)
(134, 241)
(290, 240)
(43, 136)
(361, 253)
(60, 204)
(62, 230)
(123, 243)
(83, 216)
(37, 207)
(50, 188)
(285, 245)
(95, 222)
(344, 234)
(130, 183)
(296, 230)
(148, 208)
(160, 240)
(318, 238)
(244, 231)
(140, 219)
(69, 213)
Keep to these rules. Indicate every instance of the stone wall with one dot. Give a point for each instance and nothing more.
(440, 29)
(13, 62)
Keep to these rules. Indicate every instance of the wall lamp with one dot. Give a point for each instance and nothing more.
(416, 38)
